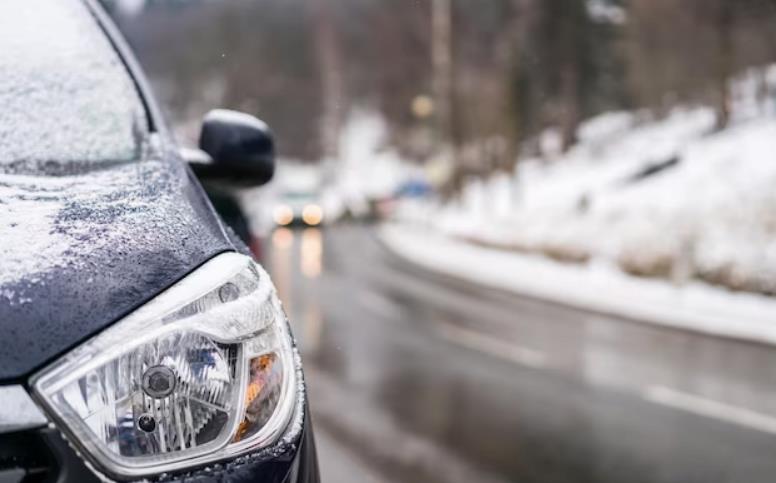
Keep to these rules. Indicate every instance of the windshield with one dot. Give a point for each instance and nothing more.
(66, 99)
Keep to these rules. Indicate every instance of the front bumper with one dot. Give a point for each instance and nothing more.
(42, 456)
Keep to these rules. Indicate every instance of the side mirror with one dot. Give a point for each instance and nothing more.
(241, 149)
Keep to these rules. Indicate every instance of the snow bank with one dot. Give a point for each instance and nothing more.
(596, 287)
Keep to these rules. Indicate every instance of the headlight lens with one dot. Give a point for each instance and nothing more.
(204, 371)
(312, 215)
(283, 215)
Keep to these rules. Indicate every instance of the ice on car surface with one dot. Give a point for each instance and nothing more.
(96, 213)
(68, 105)
(64, 92)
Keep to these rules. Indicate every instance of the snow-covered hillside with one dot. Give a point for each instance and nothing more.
(669, 198)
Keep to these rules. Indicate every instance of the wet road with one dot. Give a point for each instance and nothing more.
(417, 377)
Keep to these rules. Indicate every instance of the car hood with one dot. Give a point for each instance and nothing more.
(83, 249)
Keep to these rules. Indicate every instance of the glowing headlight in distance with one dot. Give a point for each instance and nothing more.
(203, 372)
(312, 215)
(283, 215)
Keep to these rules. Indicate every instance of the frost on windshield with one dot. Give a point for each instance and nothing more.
(66, 100)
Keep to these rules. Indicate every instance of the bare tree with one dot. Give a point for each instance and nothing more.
(723, 21)
(442, 60)
(330, 63)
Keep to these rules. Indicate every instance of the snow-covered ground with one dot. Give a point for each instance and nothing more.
(667, 198)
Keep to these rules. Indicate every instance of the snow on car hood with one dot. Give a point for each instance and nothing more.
(81, 250)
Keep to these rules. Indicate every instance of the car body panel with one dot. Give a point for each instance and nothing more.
(45, 453)
(84, 243)
(102, 243)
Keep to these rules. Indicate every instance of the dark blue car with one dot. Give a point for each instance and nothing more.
(138, 338)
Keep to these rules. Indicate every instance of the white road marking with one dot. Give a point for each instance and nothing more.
(711, 409)
(490, 345)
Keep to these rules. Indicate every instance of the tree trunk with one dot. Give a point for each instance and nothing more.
(508, 56)
(329, 53)
(570, 116)
(724, 61)
(447, 128)
(442, 61)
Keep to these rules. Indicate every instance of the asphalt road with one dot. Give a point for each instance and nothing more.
(414, 377)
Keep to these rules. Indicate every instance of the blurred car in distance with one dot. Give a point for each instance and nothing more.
(298, 208)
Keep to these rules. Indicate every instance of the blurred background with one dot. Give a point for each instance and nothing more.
(518, 240)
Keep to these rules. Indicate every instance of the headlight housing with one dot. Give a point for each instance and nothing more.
(203, 372)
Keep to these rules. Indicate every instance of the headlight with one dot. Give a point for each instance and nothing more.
(283, 215)
(203, 372)
(312, 215)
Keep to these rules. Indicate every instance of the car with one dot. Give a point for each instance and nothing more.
(298, 208)
(296, 196)
(139, 340)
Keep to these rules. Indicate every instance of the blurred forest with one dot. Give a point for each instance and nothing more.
(479, 80)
